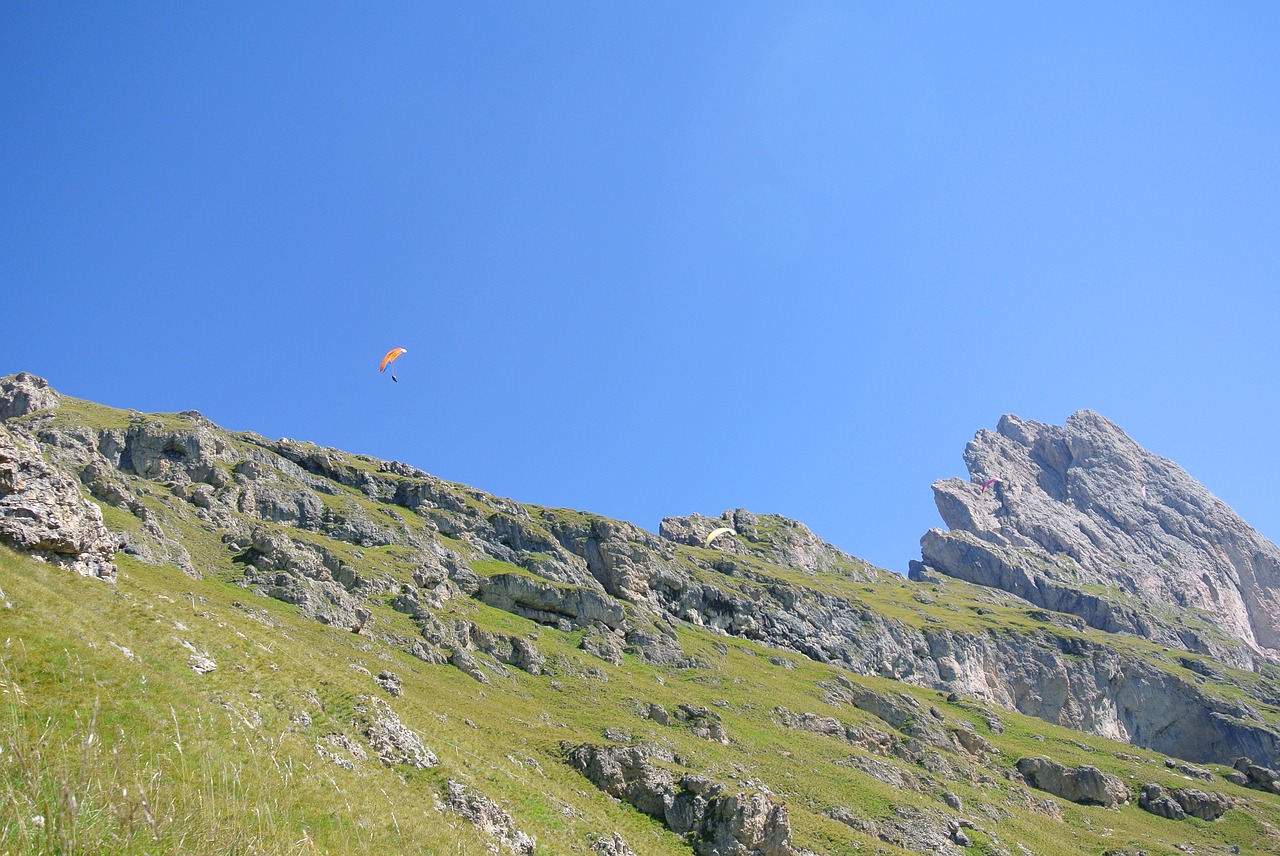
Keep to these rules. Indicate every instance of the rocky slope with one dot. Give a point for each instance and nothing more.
(300, 522)
(1091, 609)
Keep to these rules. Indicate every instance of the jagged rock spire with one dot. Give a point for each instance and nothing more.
(1085, 520)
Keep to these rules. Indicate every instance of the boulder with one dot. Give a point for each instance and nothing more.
(1206, 805)
(702, 722)
(1189, 770)
(1257, 776)
(1086, 785)
(1178, 803)
(611, 845)
(600, 641)
(390, 682)
(1160, 803)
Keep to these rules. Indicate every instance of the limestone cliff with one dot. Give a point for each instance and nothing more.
(1083, 520)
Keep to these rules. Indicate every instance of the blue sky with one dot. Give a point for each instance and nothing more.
(658, 258)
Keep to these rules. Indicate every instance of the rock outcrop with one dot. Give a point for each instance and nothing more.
(1082, 520)
(701, 721)
(779, 539)
(912, 829)
(717, 821)
(1085, 784)
(390, 739)
(43, 514)
(1256, 776)
(550, 603)
(612, 845)
(1179, 803)
(489, 818)
(24, 393)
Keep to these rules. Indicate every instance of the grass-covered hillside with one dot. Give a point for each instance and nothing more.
(305, 650)
(115, 742)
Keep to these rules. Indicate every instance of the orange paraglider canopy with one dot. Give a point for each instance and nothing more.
(390, 358)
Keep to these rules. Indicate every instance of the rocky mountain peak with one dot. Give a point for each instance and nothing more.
(1082, 519)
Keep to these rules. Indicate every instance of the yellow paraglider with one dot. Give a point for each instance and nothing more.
(714, 534)
(391, 357)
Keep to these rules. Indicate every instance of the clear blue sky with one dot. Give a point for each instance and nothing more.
(658, 258)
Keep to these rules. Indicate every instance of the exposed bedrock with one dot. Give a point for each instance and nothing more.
(43, 514)
(714, 819)
(1084, 520)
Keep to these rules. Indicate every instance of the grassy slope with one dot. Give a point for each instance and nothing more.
(159, 758)
(182, 762)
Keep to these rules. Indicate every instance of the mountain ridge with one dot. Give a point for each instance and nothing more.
(384, 552)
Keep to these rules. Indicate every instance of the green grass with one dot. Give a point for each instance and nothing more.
(492, 567)
(160, 759)
(110, 753)
(181, 762)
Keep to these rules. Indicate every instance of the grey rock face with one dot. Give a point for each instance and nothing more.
(1085, 784)
(187, 455)
(1082, 506)
(693, 530)
(1091, 687)
(1256, 776)
(389, 738)
(549, 603)
(621, 557)
(1081, 685)
(310, 577)
(488, 817)
(24, 393)
(43, 514)
(612, 845)
(717, 823)
(1178, 803)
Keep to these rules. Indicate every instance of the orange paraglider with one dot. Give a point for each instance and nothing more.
(391, 357)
